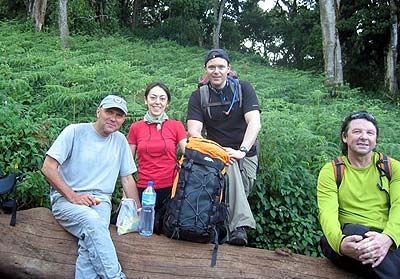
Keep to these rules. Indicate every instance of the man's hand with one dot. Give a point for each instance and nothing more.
(349, 246)
(374, 248)
(83, 199)
(234, 155)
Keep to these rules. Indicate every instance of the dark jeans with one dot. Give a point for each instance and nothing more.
(388, 269)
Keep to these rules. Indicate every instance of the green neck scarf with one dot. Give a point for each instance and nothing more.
(151, 120)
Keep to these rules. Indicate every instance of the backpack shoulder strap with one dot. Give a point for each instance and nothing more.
(235, 86)
(205, 95)
(384, 165)
(338, 168)
(205, 99)
(240, 94)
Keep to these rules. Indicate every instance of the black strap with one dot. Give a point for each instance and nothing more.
(383, 165)
(14, 213)
(215, 250)
(338, 165)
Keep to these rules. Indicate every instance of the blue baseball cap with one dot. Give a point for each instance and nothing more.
(113, 101)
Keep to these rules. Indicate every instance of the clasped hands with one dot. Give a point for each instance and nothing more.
(369, 250)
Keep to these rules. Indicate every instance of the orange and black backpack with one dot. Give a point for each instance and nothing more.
(197, 211)
(383, 165)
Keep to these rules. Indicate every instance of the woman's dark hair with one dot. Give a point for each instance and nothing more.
(159, 84)
(363, 114)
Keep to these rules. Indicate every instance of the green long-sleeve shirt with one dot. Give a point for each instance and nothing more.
(358, 200)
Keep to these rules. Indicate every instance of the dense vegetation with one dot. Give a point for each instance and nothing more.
(43, 88)
(289, 34)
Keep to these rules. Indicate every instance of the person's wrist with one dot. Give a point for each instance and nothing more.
(388, 240)
(244, 150)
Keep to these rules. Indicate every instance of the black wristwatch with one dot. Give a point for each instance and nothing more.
(243, 149)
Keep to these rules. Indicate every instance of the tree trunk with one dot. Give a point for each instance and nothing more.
(63, 24)
(391, 57)
(37, 247)
(37, 10)
(135, 13)
(102, 11)
(218, 13)
(125, 13)
(331, 43)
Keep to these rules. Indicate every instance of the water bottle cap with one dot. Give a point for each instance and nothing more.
(150, 184)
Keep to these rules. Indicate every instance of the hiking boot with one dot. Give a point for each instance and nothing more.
(238, 237)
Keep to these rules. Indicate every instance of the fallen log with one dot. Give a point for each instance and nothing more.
(37, 247)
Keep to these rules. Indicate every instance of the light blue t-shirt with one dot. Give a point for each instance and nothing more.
(90, 162)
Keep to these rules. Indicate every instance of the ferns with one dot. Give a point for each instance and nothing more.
(43, 89)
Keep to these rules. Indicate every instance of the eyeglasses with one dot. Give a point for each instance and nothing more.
(362, 114)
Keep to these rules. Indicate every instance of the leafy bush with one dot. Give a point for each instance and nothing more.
(43, 89)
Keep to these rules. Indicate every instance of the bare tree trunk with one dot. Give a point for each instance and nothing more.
(125, 13)
(218, 13)
(37, 10)
(102, 10)
(391, 58)
(135, 13)
(331, 44)
(63, 24)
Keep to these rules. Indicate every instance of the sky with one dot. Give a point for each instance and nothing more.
(266, 4)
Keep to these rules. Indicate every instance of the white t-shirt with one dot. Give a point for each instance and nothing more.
(90, 162)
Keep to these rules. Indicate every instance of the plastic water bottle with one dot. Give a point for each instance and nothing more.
(147, 214)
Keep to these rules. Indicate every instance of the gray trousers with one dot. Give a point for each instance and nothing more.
(97, 257)
(241, 177)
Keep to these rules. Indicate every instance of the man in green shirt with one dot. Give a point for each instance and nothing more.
(360, 219)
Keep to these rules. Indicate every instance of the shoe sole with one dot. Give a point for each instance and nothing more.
(238, 242)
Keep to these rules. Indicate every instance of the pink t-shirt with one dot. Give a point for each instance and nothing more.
(156, 151)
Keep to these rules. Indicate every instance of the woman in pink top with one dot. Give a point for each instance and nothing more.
(153, 142)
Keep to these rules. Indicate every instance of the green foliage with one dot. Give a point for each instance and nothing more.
(12, 9)
(24, 137)
(289, 35)
(43, 89)
(279, 34)
(94, 17)
(186, 22)
(364, 31)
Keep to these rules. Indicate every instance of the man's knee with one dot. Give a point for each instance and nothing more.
(326, 248)
(355, 229)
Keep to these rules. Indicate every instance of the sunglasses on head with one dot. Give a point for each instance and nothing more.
(362, 114)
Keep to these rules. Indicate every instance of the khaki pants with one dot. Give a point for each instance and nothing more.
(248, 170)
(239, 188)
